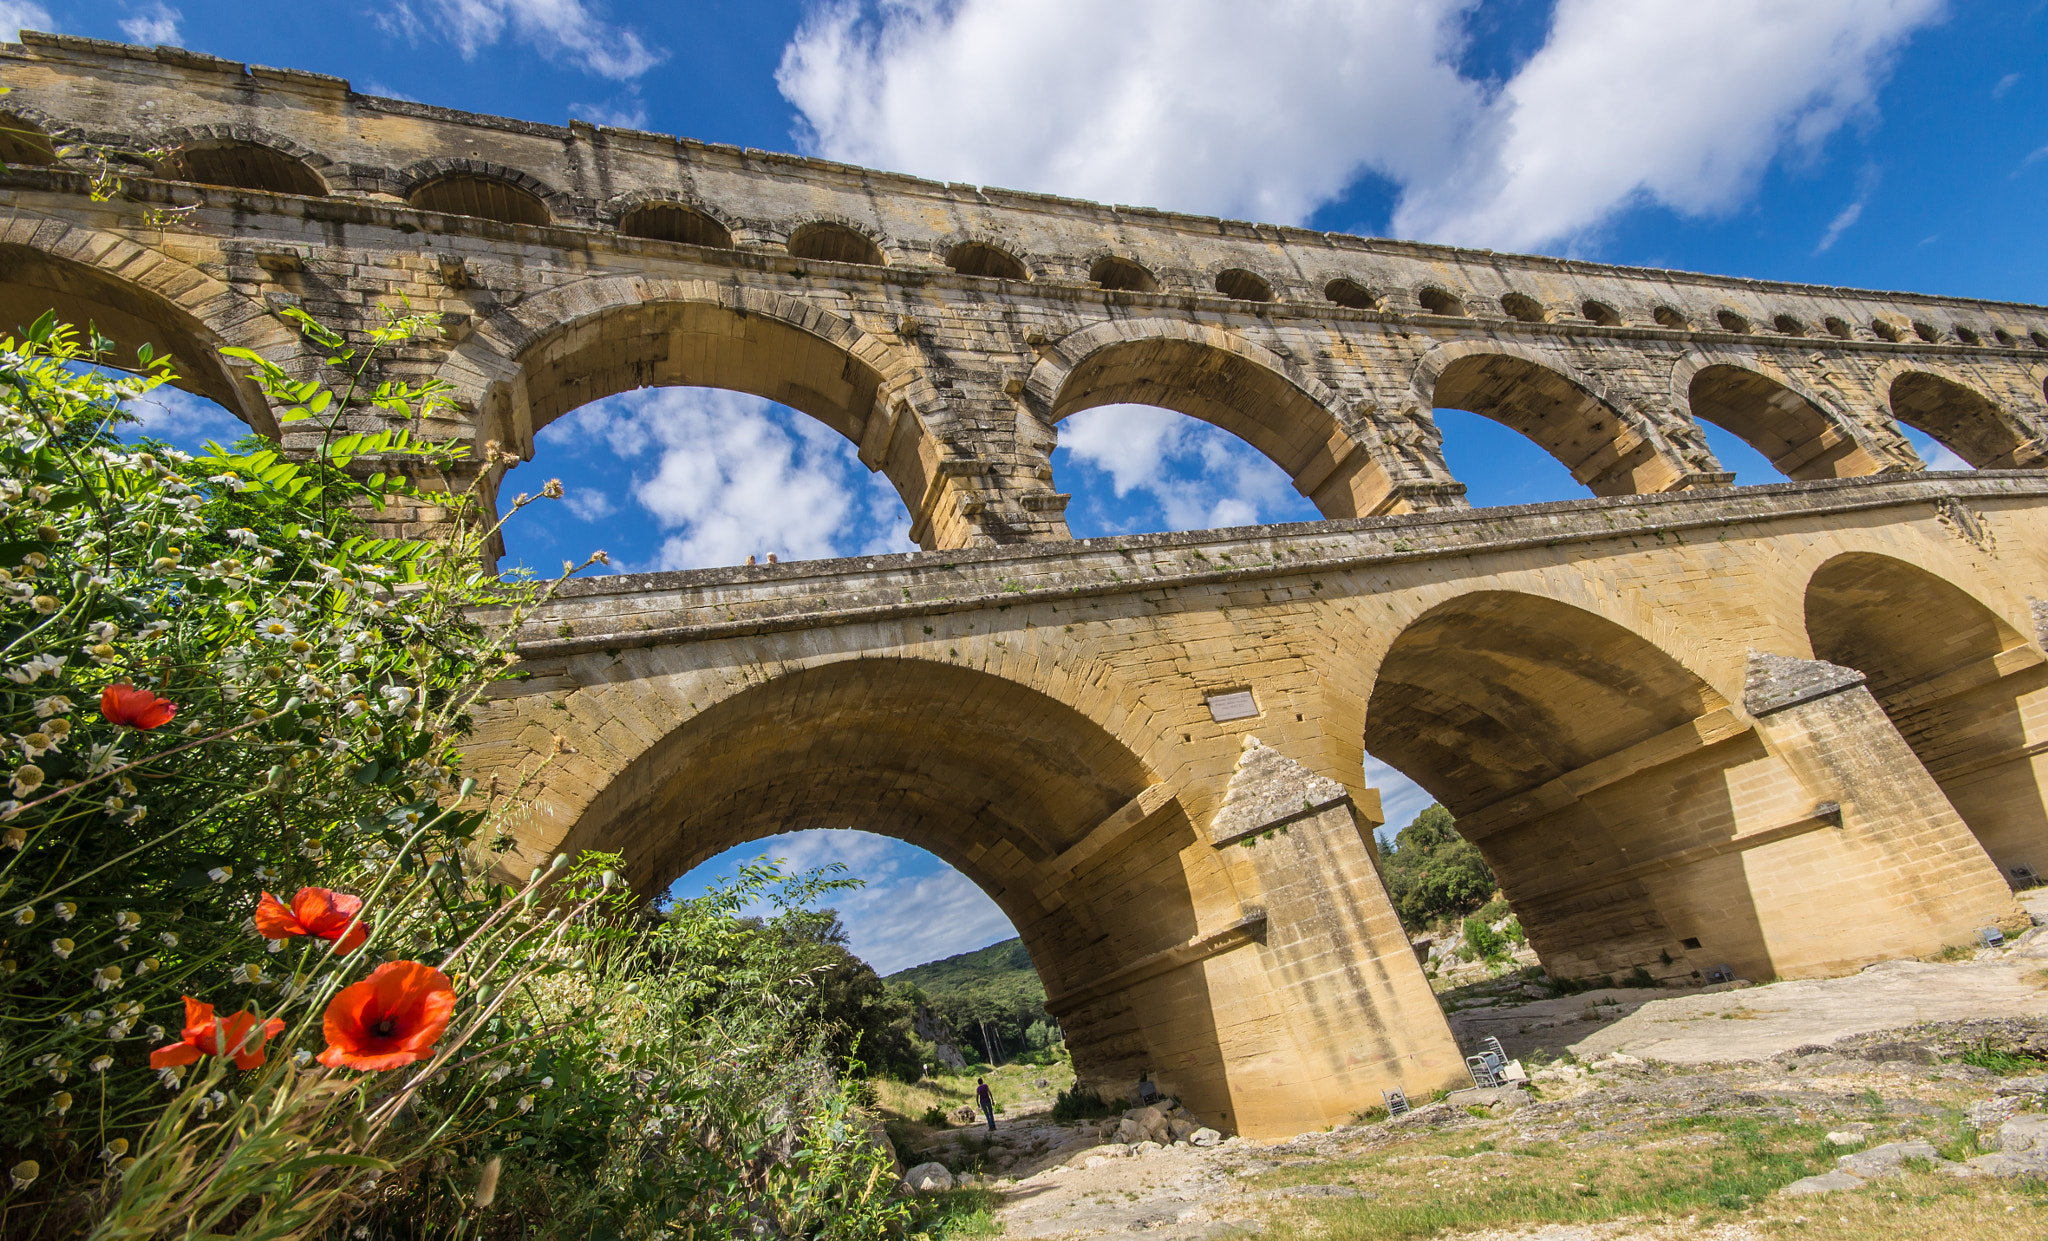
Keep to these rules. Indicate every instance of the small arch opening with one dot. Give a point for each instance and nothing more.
(827, 242)
(1240, 285)
(1122, 275)
(485, 198)
(1350, 293)
(24, 142)
(975, 258)
(1671, 317)
(1788, 325)
(1960, 419)
(1926, 331)
(242, 166)
(1601, 313)
(1838, 326)
(2003, 337)
(1730, 321)
(1888, 329)
(2040, 339)
(1436, 301)
(675, 222)
(1968, 335)
(1522, 306)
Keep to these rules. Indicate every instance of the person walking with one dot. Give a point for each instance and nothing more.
(987, 1099)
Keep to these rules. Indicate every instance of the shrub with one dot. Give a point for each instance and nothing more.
(1433, 873)
(1077, 1103)
(220, 684)
(1483, 941)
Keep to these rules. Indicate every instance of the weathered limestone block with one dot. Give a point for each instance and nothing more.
(1903, 867)
(1361, 1017)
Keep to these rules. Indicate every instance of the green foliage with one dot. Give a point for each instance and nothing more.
(1076, 1103)
(607, 1071)
(1485, 943)
(1433, 873)
(996, 986)
(2000, 1061)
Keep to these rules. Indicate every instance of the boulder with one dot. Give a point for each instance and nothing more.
(1204, 1137)
(928, 1178)
(1146, 1148)
(1179, 1129)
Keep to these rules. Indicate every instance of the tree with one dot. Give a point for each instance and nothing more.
(1433, 873)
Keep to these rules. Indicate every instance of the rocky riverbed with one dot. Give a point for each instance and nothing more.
(1886, 1104)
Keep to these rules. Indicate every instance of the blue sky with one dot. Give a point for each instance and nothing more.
(1892, 144)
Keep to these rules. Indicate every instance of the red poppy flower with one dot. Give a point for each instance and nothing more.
(389, 1019)
(206, 1035)
(122, 703)
(314, 911)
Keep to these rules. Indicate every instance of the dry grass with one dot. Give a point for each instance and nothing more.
(1015, 1086)
(1693, 1178)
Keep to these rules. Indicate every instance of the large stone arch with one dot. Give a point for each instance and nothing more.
(1608, 447)
(1637, 818)
(1969, 694)
(557, 352)
(1957, 413)
(1161, 952)
(1803, 433)
(1224, 380)
(134, 296)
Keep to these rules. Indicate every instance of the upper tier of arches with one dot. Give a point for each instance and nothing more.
(243, 157)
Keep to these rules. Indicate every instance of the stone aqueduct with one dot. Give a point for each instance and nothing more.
(1791, 729)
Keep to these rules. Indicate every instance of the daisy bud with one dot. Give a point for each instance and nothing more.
(148, 965)
(14, 838)
(44, 604)
(169, 939)
(221, 874)
(60, 1102)
(24, 916)
(24, 1174)
(62, 947)
(65, 910)
(107, 977)
(101, 1064)
(127, 920)
(114, 1149)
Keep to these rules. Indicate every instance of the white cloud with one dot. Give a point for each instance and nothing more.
(2005, 84)
(914, 908)
(1401, 799)
(729, 479)
(1846, 218)
(1207, 106)
(569, 29)
(1839, 225)
(1204, 105)
(628, 113)
(17, 16)
(1936, 454)
(1676, 103)
(1200, 477)
(155, 23)
(188, 421)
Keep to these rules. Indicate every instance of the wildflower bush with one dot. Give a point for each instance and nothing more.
(262, 973)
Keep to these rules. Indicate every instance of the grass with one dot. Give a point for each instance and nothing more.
(1011, 1084)
(1697, 1171)
(2004, 1063)
(959, 1213)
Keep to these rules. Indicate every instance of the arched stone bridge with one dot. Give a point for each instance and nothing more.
(1788, 729)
